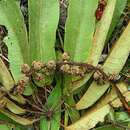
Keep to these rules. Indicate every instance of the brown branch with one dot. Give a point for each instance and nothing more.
(122, 99)
(85, 65)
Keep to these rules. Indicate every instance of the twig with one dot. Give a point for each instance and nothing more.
(122, 99)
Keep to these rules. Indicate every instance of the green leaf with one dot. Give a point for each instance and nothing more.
(108, 127)
(56, 122)
(43, 21)
(4, 127)
(113, 65)
(122, 116)
(53, 102)
(79, 29)
(44, 124)
(128, 2)
(16, 41)
(28, 90)
(72, 112)
(5, 118)
(21, 127)
(120, 6)
(97, 42)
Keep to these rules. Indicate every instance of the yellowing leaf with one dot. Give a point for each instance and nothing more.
(13, 107)
(97, 113)
(98, 41)
(18, 119)
(90, 119)
(113, 65)
(18, 98)
(5, 77)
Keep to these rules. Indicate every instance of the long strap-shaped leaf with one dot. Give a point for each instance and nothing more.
(53, 103)
(79, 31)
(17, 42)
(120, 6)
(113, 65)
(4, 127)
(90, 120)
(80, 28)
(98, 112)
(8, 83)
(7, 103)
(73, 114)
(98, 41)
(5, 77)
(43, 21)
(18, 119)
(13, 107)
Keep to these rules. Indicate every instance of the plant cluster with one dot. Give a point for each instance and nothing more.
(53, 74)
